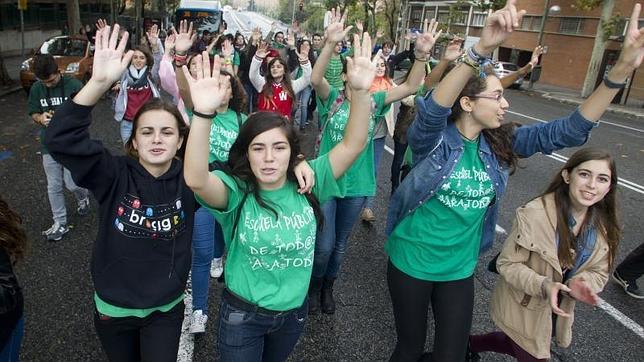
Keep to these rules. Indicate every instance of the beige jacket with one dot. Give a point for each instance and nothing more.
(528, 257)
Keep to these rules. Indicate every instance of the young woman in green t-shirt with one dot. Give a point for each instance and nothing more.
(269, 225)
(334, 105)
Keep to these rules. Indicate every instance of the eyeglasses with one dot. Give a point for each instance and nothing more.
(497, 97)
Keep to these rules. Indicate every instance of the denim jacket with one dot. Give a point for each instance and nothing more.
(437, 147)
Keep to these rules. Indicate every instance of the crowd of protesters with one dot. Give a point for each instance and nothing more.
(213, 170)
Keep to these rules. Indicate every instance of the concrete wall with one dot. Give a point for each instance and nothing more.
(10, 40)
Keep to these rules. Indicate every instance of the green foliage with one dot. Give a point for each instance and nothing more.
(485, 5)
(609, 26)
(586, 5)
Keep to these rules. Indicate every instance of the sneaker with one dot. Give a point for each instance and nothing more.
(630, 286)
(198, 322)
(83, 207)
(55, 232)
(217, 267)
(367, 215)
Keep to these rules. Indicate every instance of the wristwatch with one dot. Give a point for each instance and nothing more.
(612, 85)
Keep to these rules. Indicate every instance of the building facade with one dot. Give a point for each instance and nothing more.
(569, 37)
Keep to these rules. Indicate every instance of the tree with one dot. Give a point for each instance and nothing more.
(600, 42)
(391, 12)
(73, 16)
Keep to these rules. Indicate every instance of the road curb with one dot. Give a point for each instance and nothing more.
(623, 112)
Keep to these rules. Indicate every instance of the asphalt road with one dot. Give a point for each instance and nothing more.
(58, 289)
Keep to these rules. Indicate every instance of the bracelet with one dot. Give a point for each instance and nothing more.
(420, 59)
(203, 115)
(259, 58)
(612, 85)
(477, 62)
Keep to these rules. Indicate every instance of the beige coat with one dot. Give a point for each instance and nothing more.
(529, 256)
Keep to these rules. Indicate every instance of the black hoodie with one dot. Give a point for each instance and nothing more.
(141, 256)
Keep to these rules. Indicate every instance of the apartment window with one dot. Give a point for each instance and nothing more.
(460, 18)
(478, 19)
(571, 25)
(443, 17)
(417, 14)
(531, 23)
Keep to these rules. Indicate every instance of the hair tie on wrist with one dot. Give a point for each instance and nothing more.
(202, 115)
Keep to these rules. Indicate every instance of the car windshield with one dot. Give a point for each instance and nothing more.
(64, 46)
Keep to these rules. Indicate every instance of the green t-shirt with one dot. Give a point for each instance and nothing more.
(223, 133)
(440, 240)
(270, 259)
(236, 58)
(42, 99)
(333, 72)
(118, 312)
(360, 179)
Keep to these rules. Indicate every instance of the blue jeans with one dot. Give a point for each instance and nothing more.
(303, 105)
(251, 93)
(254, 336)
(11, 351)
(396, 164)
(378, 147)
(126, 130)
(59, 177)
(207, 243)
(339, 217)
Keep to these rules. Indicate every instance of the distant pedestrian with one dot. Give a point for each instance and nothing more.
(13, 245)
(142, 252)
(45, 97)
(629, 270)
(560, 251)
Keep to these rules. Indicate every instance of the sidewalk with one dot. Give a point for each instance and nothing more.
(13, 68)
(570, 96)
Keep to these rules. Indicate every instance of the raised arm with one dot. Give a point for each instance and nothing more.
(360, 73)
(424, 44)
(498, 27)
(253, 73)
(523, 71)
(452, 52)
(207, 96)
(183, 42)
(304, 62)
(629, 59)
(335, 32)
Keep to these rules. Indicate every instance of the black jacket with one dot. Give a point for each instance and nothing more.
(142, 252)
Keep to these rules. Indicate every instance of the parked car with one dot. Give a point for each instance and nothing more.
(503, 69)
(74, 56)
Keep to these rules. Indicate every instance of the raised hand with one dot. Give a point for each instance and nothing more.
(580, 290)
(110, 59)
(262, 49)
(453, 50)
(379, 33)
(170, 42)
(336, 31)
(227, 48)
(100, 24)
(359, 26)
(295, 28)
(498, 27)
(185, 38)
(426, 40)
(303, 54)
(361, 70)
(534, 60)
(153, 34)
(206, 90)
(377, 56)
(633, 48)
(290, 40)
(256, 35)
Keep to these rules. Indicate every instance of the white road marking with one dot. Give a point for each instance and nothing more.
(600, 121)
(612, 311)
(187, 340)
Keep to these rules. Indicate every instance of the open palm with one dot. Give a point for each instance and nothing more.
(427, 39)
(336, 32)
(499, 25)
(360, 68)
(110, 59)
(185, 38)
(633, 48)
(205, 91)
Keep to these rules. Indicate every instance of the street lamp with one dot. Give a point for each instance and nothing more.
(548, 10)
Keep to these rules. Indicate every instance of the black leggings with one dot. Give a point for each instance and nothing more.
(452, 304)
(153, 338)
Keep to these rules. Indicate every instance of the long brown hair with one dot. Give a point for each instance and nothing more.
(13, 238)
(239, 165)
(267, 91)
(602, 215)
(499, 139)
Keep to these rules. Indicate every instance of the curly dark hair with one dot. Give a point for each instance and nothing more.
(499, 139)
(13, 238)
(239, 166)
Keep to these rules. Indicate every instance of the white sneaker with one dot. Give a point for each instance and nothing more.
(198, 322)
(217, 267)
(56, 232)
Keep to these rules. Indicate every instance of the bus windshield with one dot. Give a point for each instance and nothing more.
(203, 19)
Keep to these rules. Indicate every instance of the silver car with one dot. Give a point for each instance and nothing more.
(503, 69)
